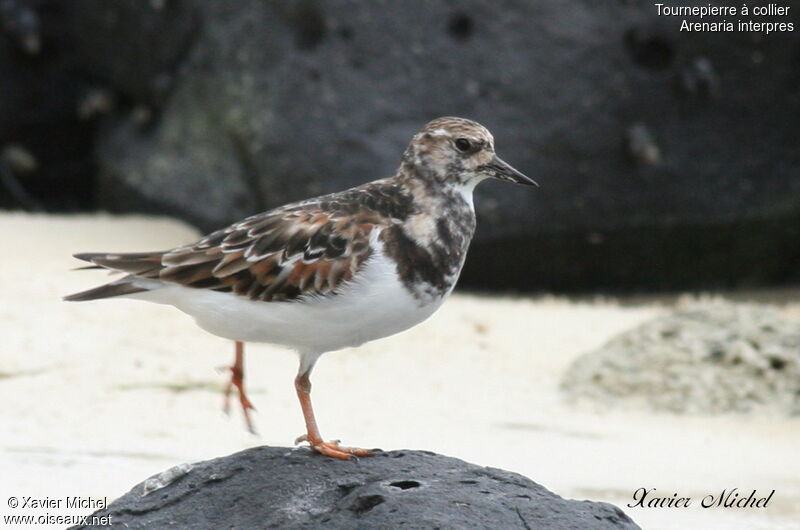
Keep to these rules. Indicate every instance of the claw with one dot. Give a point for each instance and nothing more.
(333, 449)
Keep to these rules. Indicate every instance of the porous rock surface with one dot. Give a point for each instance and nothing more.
(715, 358)
(274, 487)
(666, 159)
(663, 157)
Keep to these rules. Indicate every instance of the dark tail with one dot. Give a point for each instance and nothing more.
(104, 291)
(145, 264)
(139, 264)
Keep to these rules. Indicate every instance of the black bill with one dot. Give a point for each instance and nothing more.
(501, 170)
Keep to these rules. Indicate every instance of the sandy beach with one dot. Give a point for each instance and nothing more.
(98, 396)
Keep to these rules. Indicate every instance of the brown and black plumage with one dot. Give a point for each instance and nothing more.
(330, 272)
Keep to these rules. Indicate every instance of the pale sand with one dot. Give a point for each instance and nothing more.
(97, 396)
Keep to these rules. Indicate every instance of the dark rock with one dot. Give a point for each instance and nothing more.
(133, 47)
(711, 359)
(283, 488)
(64, 65)
(21, 22)
(38, 91)
(665, 158)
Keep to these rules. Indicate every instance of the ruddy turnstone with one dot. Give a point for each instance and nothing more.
(330, 272)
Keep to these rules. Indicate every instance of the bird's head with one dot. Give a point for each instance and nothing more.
(458, 151)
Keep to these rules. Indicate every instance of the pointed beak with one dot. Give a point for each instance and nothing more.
(503, 171)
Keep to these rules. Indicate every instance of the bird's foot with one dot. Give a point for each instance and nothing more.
(333, 449)
(237, 380)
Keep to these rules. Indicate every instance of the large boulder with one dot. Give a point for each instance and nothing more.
(45, 147)
(667, 159)
(663, 156)
(274, 487)
(710, 359)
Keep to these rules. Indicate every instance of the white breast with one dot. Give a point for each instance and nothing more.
(373, 305)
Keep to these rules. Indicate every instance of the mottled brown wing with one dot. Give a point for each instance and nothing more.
(278, 255)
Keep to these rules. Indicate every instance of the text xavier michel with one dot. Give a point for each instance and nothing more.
(646, 498)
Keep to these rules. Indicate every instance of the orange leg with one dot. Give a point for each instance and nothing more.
(237, 380)
(303, 386)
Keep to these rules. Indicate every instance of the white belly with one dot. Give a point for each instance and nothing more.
(374, 305)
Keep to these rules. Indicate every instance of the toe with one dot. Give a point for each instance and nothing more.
(332, 451)
(356, 451)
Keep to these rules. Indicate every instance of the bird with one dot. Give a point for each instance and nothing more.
(329, 272)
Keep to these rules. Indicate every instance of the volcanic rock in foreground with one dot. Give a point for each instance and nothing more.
(276, 487)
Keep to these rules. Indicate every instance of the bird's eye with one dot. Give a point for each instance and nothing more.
(463, 145)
